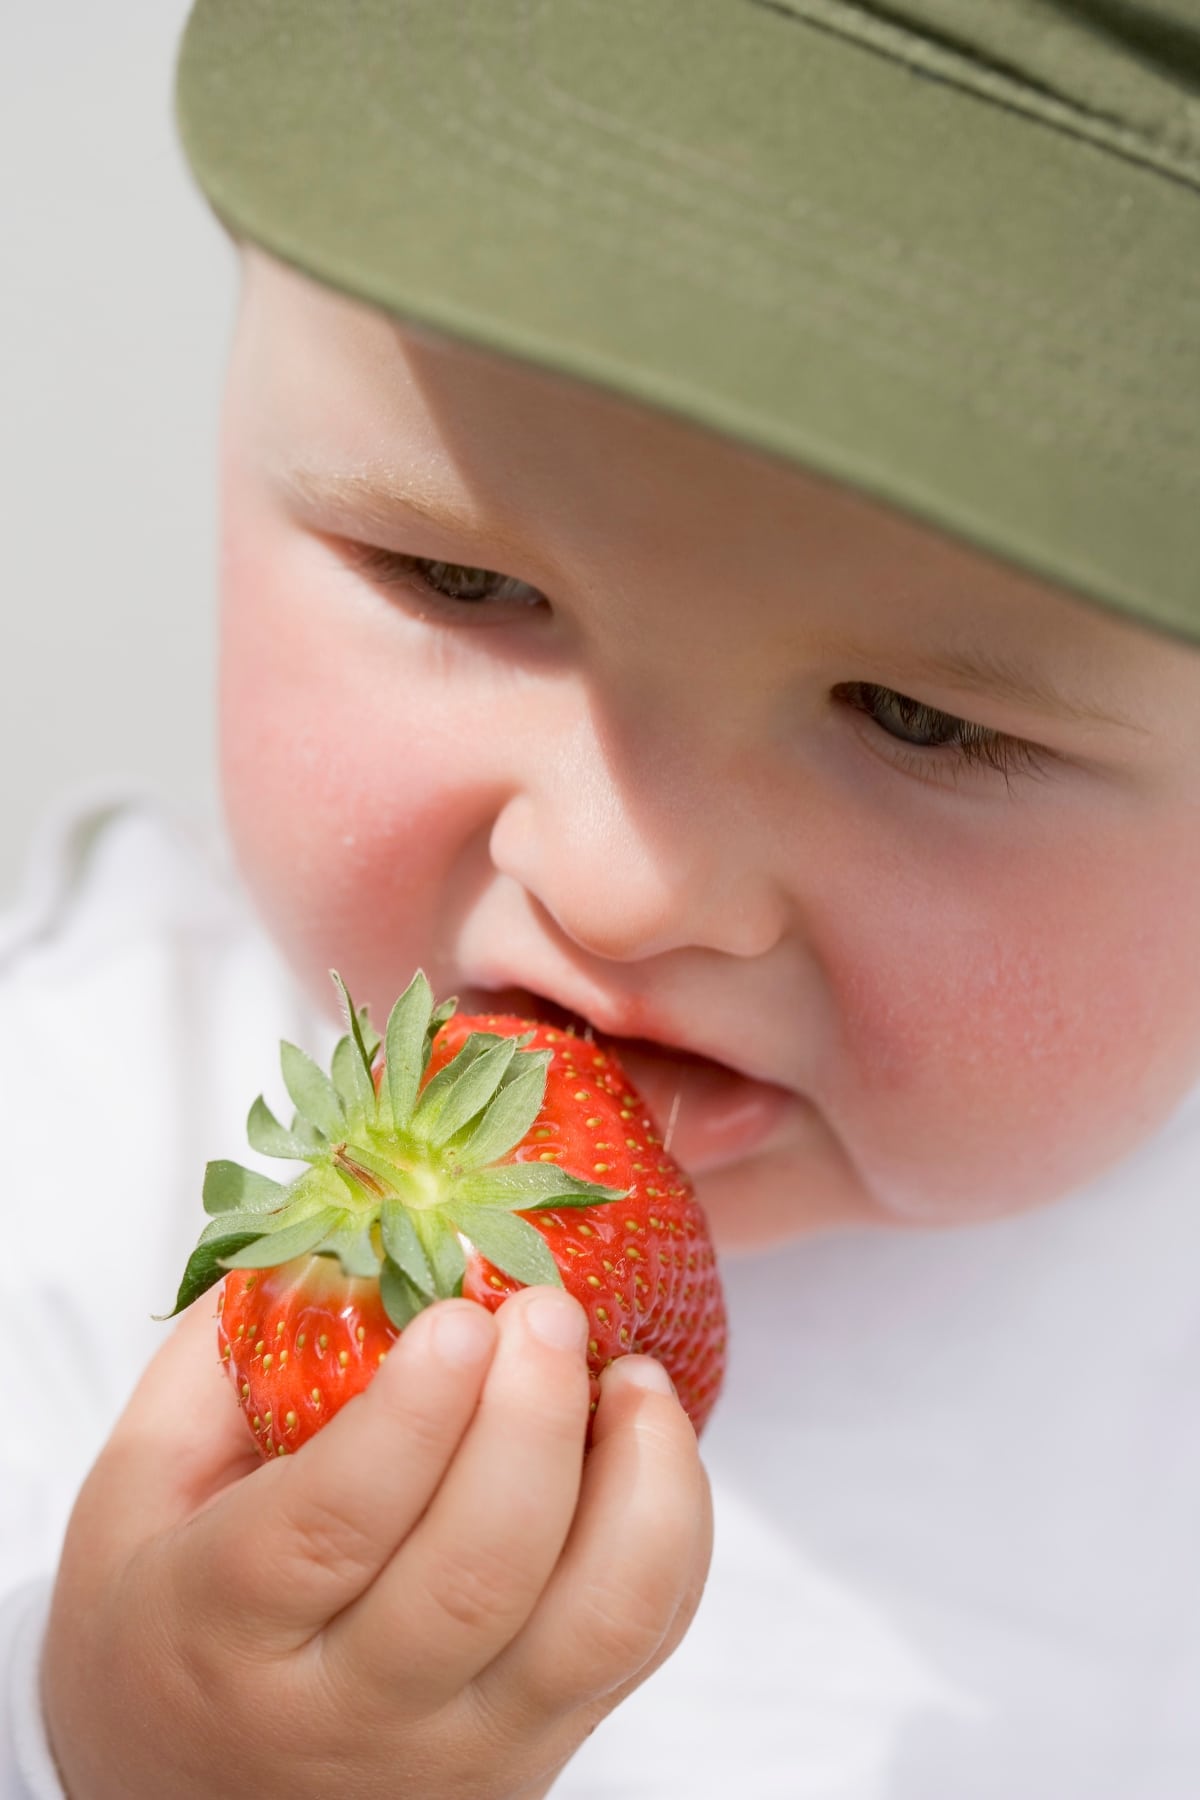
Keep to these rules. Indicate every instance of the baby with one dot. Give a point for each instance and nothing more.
(851, 790)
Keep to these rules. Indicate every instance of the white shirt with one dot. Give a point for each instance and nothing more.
(956, 1474)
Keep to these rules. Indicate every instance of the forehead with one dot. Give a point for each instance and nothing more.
(353, 391)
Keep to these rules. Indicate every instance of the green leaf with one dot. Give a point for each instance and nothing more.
(353, 1019)
(511, 1113)
(408, 1046)
(351, 1243)
(370, 1037)
(306, 1133)
(204, 1268)
(475, 1086)
(520, 1063)
(513, 1244)
(524, 1187)
(312, 1093)
(436, 1092)
(404, 1247)
(258, 1224)
(445, 1253)
(269, 1138)
(356, 1031)
(228, 1187)
(438, 1018)
(275, 1247)
(401, 1300)
(354, 1089)
(424, 1117)
(584, 1197)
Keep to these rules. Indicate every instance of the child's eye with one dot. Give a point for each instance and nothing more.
(457, 587)
(928, 732)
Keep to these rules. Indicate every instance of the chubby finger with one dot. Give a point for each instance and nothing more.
(634, 1564)
(471, 1572)
(180, 1440)
(308, 1534)
(693, 1593)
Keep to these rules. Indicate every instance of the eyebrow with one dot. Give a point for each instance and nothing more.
(376, 499)
(994, 676)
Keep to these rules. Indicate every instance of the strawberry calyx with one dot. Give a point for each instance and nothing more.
(404, 1175)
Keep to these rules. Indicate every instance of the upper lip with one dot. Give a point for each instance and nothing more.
(616, 1016)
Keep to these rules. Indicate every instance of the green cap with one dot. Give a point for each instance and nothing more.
(947, 251)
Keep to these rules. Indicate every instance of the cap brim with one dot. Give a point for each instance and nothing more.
(771, 230)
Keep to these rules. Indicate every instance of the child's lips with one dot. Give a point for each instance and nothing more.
(708, 1114)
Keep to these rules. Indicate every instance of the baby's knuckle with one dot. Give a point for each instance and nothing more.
(205, 1570)
(473, 1590)
(622, 1625)
(199, 1669)
(505, 1745)
(668, 1436)
(504, 1727)
(540, 1401)
(317, 1534)
(322, 1685)
(675, 1634)
(561, 1418)
(413, 1425)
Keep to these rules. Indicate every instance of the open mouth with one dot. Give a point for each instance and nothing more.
(707, 1114)
(522, 1003)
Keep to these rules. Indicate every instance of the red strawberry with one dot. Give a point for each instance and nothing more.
(465, 1163)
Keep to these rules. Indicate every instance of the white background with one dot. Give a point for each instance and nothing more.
(116, 296)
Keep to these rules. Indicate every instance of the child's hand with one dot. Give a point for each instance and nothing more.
(437, 1596)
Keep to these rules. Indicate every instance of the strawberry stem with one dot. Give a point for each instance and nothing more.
(423, 1160)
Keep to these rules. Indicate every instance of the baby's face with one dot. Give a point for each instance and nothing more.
(544, 692)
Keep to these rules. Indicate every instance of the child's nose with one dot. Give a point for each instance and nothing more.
(625, 890)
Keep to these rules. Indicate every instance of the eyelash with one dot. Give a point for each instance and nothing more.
(391, 569)
(969, 745)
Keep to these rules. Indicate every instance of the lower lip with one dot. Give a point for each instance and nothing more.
(708, 1115)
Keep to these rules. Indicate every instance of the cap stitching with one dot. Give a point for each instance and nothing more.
(809, 210)
(1171, 149)
(904, 255)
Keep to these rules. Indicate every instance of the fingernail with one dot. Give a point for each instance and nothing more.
(461, 1334)
(558, 1321)
(644, 1372)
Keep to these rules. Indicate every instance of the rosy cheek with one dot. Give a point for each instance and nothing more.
(286, 797)
(334, 794)
(999, 1058)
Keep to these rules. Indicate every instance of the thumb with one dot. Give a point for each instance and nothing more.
(181, 1439)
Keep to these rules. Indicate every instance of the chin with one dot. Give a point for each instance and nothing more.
(782, 1196)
